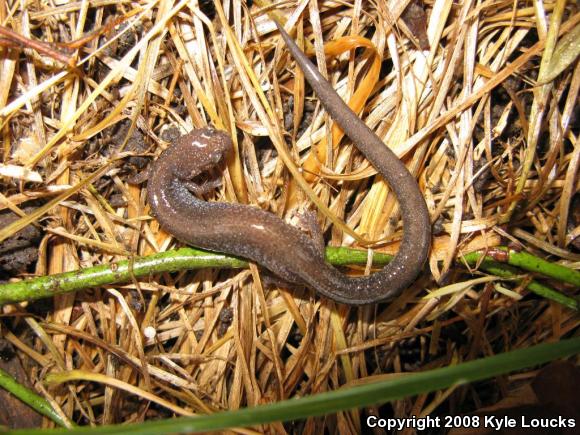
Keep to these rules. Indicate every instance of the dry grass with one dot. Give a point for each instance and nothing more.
(495, 153)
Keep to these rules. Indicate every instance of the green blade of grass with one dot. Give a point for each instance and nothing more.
(346, 398)
(36, 402)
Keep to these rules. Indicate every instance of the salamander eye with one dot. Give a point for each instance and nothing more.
(217, 156)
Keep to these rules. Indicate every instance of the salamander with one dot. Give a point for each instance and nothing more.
(260, 236)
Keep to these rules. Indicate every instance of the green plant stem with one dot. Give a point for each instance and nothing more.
(123, 271)
(345, 398)
(534, 264)
(113, 273)
(36, 402)
(190, 258)
(530, 263)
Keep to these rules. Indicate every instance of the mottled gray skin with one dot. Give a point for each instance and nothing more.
(255, 234)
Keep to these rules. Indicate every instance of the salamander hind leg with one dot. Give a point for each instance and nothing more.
(307, 222)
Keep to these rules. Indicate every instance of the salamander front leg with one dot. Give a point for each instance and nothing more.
(203, 188)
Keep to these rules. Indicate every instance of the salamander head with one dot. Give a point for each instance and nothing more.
(199, 151)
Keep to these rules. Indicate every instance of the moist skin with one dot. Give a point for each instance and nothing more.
(261, 236)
